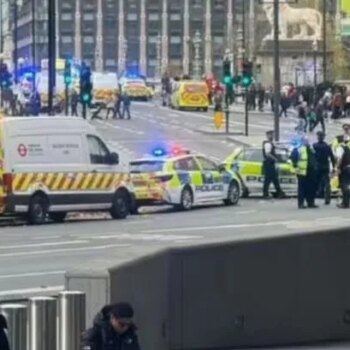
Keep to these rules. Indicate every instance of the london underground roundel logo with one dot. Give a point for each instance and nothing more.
(22, 150)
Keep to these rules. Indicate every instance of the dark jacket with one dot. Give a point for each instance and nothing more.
(4, 344)
(102, 336)
(324, 156)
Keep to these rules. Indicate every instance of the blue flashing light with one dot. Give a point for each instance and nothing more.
(159, 152)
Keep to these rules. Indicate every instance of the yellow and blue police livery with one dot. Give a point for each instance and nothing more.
(182, 179)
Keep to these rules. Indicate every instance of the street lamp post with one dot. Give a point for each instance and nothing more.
(315, 50)
(197, 64)
(125, 52)
(159, 56)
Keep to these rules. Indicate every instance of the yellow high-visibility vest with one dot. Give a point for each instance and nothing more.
(302, 162)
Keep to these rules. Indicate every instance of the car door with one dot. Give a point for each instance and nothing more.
(101, 170)
(213, 185)
(248, 164)
(286, 172)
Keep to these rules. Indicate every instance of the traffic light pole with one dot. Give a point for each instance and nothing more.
(66, 93)
(84, 110)
(246, 112)
(52, 53)
(277, 77)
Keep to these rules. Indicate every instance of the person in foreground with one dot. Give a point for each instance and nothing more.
(4, 343)
(113, 329)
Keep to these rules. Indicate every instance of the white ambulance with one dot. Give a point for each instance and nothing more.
(50, 166)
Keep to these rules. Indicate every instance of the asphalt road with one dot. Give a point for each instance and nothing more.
(33, 257)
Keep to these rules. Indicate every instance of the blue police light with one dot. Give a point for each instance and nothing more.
(159, 152)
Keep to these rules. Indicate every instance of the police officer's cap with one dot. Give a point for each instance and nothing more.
(270, 132)
(346, 126)
(321, 134)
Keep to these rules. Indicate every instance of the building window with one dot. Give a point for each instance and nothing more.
(66, 39)
(219, 4)
(175, 39)
(88, 17)
(153, 17)
(132, 17)
(110, 62)
(88, 39)
(66, 5)
(175, 17)
(67, 16)
(153, 62)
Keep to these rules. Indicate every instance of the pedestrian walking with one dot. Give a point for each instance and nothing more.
(113, 329)
(320, 116)
(304, 163)
(270, 167)
(111, 106)
(126, 105)
(4, 343)
(261, 98)
(343, 170)
(284, 105)
(324, 157)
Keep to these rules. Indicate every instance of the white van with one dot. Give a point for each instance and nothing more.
(50, 166)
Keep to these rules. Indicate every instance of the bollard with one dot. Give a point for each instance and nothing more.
(42, 323)
(71, 319)
(16, 316)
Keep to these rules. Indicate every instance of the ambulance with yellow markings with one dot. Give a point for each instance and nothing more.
(190, 94)
(179, 178)
(50, 166)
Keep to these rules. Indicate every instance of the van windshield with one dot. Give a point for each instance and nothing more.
(146, 166)
(195, 88)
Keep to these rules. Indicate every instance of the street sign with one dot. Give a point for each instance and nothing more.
(219, 118)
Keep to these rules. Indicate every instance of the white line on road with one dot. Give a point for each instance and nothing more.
(44, 237)
(32, 274)
(38, 245)
(219, 227)
(50, 289)
(69, 250)
(146, 237)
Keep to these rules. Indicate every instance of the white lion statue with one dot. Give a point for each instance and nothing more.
(303, 19)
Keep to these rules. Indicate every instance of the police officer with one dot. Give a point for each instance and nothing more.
(269, 166)
(324, 156)
(343, 168)
(304, 162)
(338, 141)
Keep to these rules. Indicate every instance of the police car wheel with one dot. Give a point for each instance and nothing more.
(186, 199)
(120, 207)
(233, 194)
(38, 209)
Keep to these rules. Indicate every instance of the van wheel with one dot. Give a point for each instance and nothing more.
(120, 207)
(186, 199)
(233, 194)
(38, 209)
(58, 217)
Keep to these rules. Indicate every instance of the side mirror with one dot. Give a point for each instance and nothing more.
(114, 158)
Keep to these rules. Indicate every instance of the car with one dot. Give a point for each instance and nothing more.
(248, 163)
(183, 180)
(189, 94)
(52, 166)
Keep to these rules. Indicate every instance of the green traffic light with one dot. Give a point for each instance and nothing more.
(227, 79)
(68, 79)
(246, 81)
(86, 98)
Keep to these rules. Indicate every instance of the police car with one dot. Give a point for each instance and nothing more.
(182, 179)
(248, 163)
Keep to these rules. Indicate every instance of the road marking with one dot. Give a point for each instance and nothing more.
(37, 245)
(44, 237)
(146, 237)
(218, 227)
(51, 289)
(69, 250)
(32, 274)
(122, 128)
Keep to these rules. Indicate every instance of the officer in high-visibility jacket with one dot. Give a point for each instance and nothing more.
(304, 163)
(339, 139)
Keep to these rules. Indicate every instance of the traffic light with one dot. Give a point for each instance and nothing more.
(5, 76)
(68, 72)
(85, 84)
(227, 72)
(247, 73)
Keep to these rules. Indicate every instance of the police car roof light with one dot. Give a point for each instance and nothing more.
(159, 152)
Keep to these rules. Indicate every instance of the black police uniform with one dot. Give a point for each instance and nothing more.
(324, 155)
(345, 176)
(270, 171)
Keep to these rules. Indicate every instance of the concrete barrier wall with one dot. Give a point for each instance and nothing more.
(259, 292)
